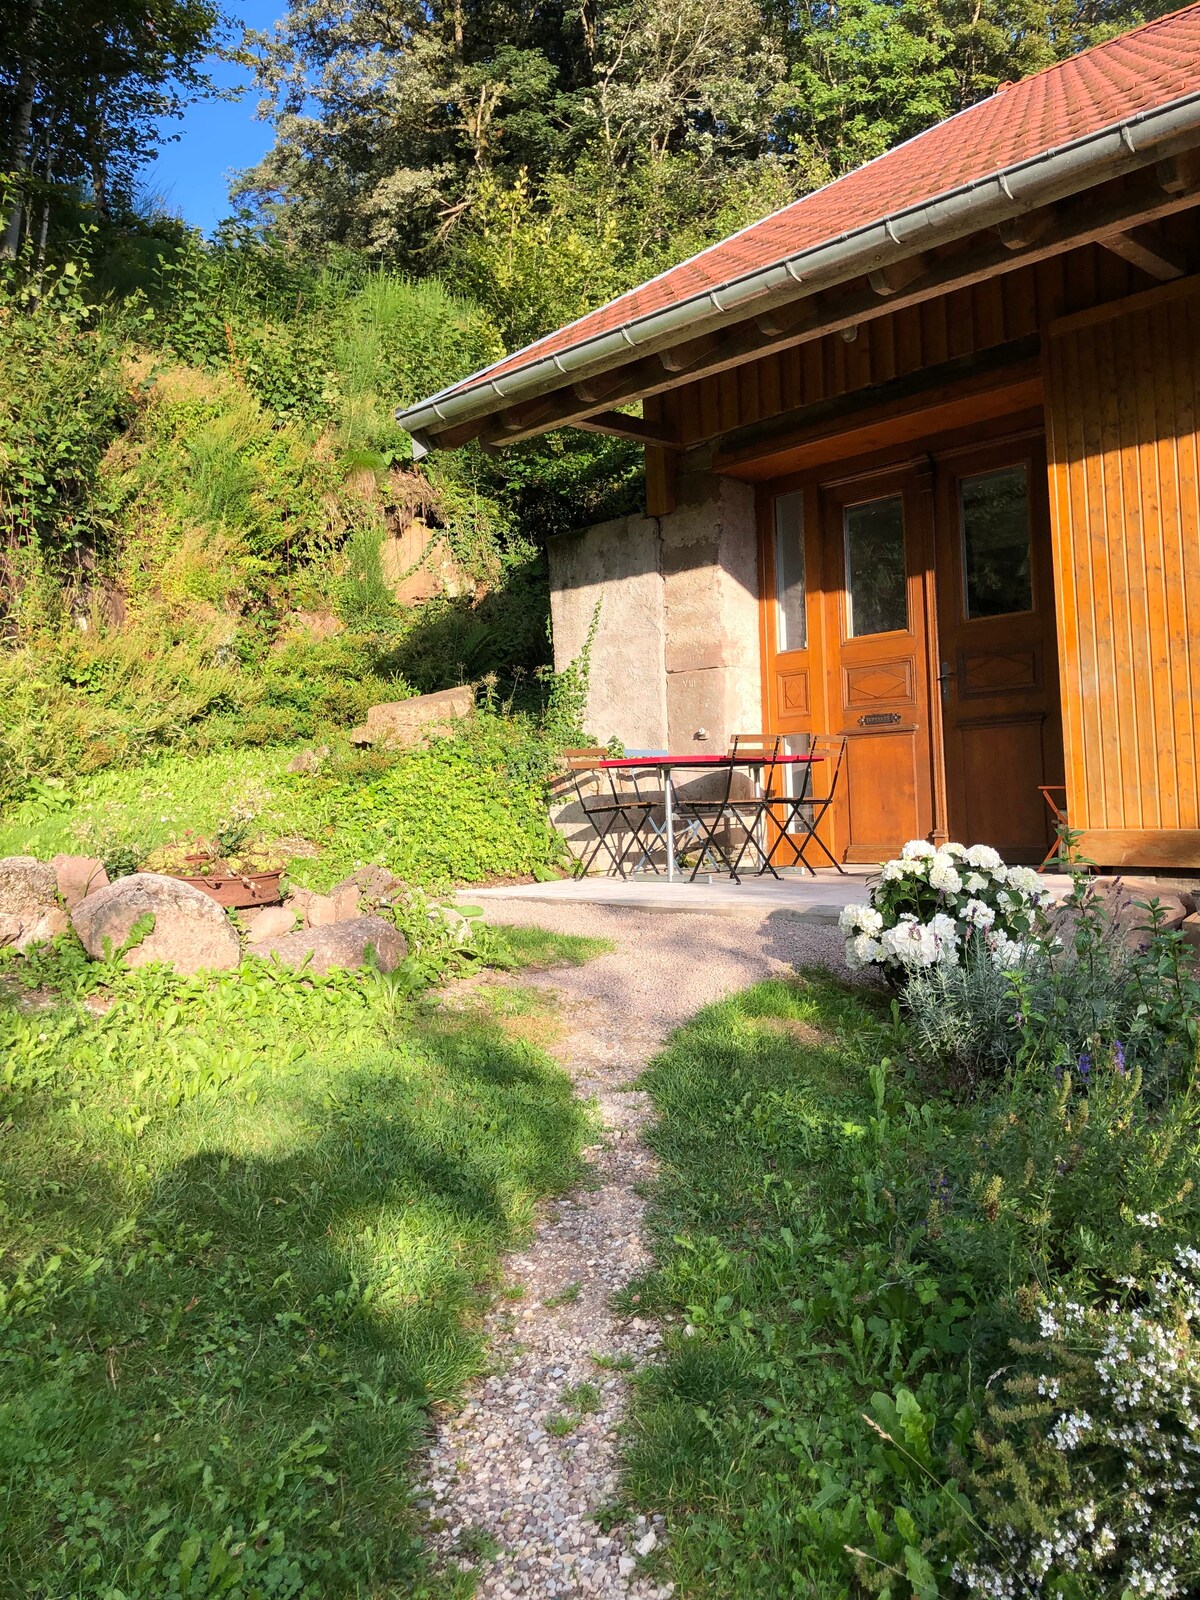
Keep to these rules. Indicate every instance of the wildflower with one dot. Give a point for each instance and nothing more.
(978, 914)
(1118, 1058)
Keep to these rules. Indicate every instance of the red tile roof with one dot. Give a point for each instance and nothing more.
(1139, 71)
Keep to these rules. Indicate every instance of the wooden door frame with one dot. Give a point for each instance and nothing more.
(1015, 427)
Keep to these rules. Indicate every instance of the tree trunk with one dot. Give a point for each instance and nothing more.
(45, 228)
(26, 90)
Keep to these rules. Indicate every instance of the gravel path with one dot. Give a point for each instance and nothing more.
(525, 1468)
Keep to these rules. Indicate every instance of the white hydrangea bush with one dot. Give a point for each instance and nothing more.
(929, 906)
(1094, 1488)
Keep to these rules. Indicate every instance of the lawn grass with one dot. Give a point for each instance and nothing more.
(249, 1228)
(539, 948)
(792, 1312)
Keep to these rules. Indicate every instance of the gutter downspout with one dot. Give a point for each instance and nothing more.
(1037, 181)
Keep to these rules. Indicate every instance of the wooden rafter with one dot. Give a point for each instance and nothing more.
(683, 357)
(1146, 249)
(623, 427)
(892, 279)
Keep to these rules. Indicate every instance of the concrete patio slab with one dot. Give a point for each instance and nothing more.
(815, 900)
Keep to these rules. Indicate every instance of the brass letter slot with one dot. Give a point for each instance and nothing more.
(878, 719)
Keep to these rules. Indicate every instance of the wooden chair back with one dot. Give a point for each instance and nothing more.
(831, 747)
(582, 777)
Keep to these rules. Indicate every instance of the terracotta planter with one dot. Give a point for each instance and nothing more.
(237, 890)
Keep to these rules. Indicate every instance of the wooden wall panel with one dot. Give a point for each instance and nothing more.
(995, 312)
(1123, 431)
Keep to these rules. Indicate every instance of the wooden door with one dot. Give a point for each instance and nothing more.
(1001, 714)
(877, 560)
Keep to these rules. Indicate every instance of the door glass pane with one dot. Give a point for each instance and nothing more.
(876, 593)
(995, 525)
(789, 571)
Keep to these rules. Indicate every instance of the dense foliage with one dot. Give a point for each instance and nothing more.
(927, 1341)
(623, 135)
(466, 809)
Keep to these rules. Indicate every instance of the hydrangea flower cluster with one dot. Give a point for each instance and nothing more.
(929, 905)
(1122, 1426)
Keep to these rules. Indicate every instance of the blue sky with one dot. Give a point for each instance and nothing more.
(216, 138)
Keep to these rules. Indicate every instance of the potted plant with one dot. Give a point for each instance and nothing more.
(235, 868)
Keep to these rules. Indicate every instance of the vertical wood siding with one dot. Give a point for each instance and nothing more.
(997, 311)
(1123, 412)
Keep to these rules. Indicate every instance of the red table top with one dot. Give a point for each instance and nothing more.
(709, 761)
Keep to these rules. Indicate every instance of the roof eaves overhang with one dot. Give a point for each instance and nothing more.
(1009, 192)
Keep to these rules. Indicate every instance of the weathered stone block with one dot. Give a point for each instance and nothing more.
(399, 724)
(77, 877)
(30, 912)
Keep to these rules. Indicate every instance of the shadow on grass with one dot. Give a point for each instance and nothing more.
(223, 1398)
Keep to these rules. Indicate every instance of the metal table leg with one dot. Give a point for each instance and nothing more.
(667, 793)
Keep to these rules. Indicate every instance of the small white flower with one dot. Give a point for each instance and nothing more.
(978, 914)
(943, 876)
(1024, 880)
(1007, 953)
(975, 884)
(919, 850)
(863, 950)
(982, 855)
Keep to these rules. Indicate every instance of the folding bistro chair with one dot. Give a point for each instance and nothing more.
(765, 749)
(1055, 796)
(709, 822)
(610, 812)
(802, 813)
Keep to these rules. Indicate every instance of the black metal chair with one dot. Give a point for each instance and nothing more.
(751, 813)
(711, 822)
(613, 812)
(802, 813)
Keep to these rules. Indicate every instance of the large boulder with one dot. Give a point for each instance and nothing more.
(191, 932)
(30, 912)
(338, 944)
(78, 876)
(399, 724)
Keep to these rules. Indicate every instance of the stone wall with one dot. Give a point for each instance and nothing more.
(675, 663)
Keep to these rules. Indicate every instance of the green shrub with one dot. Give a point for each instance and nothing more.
(1090, 1479)
(1088, 987)
(63, 401)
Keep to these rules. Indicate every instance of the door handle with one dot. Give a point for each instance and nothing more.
(945, 678)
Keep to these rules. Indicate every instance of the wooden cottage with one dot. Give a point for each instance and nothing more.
(922, 465)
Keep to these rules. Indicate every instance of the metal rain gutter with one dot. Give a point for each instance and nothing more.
(1036, 181)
